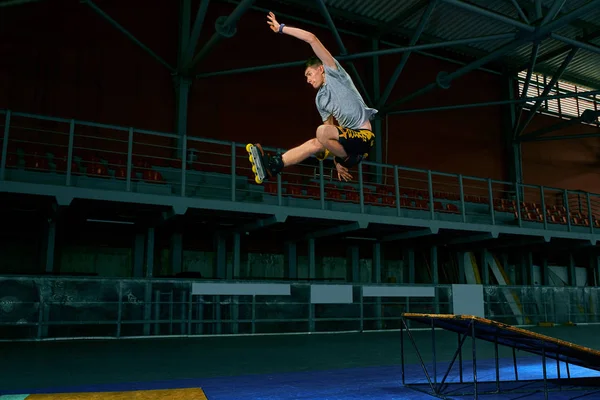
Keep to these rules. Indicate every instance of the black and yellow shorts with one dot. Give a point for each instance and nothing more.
(356, 141)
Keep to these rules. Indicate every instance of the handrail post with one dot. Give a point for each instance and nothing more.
(430, 188)
(491, 201)
(397, 189)
(233, 188)
(568, 209)
(279, 188)
(517, 189)
(463, 212)
(70, 151)
(544, 216)
(129, 158)
(589, 207)
(183, 165)
(322, 184)
(5, 145)
(361, 192)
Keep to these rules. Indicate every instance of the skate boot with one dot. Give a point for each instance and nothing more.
(263, 165)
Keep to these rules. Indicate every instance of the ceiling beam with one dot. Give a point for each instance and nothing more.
(410, 234)
(532, 34)
(561, 50)
(336, 230)
(8, 3)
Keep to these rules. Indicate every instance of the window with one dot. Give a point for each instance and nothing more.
(566, 107)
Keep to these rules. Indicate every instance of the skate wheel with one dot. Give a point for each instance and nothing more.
(258, 180)
(251, 160)
(254, 168)
(248, 147)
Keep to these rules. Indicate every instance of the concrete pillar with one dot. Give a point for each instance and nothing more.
(177, 253)
(352, 269)
(150, 253)
(376, 269)
(291, 261)
(138, 255)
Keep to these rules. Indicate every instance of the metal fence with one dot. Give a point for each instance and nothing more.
(34, 308)
(64, 152)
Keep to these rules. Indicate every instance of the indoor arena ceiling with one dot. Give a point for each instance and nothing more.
(397, 22)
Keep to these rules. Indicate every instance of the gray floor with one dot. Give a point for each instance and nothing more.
(72, 363)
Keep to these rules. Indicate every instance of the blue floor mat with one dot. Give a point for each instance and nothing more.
(382, 382)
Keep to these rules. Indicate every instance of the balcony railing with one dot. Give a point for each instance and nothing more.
(56, 151)
(62, 307)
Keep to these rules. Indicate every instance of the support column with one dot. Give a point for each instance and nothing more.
(176, 253)
(236, 262)
(530, 271)
(182, 92)
(524, 274)
(376, 278)
(515, 164)
(485, 269)
(48, 245)
(352, 257)
(376, 269)
(377, 123)
(150, 253)
(291, 261)
(572, 277)
(596, 269)
(409, 263)
(220, 263)
(180, 82)
(462, 279)
(435, 275)
(138, 255)
(311, 259)
(545, 271)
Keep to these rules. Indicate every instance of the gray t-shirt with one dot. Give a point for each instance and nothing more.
(339, 97)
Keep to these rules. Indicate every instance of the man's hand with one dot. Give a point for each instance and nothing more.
(308, 37)
(343, 172)
(273, 22)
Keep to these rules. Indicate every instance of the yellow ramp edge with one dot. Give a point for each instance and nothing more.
(171, 394)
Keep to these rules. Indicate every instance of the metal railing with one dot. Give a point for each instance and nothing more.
(63, 152)
(40, 308)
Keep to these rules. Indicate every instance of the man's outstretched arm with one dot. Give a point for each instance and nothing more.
(308, 37)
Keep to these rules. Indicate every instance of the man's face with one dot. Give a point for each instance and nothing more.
(314, 76)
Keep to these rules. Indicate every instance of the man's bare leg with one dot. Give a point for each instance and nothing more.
(298, 154)
(328, 136)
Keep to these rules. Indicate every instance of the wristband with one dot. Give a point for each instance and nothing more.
(281, 28)
(349, 161)
(339, 160)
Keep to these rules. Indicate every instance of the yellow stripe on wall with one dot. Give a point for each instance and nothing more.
(171, 394)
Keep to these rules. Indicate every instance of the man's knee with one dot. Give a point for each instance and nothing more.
(326, 132)
(315, 145)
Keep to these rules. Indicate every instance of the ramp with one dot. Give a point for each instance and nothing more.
(481, 329)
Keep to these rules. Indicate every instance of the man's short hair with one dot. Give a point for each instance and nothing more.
(313, 61)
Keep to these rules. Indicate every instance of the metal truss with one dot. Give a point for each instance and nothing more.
(527, 34)
(528, 29)
(475, 386)
(520, 128)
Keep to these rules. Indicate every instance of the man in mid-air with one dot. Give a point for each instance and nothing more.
(337, 97)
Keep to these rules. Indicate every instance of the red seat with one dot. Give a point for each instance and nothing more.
(37, 162)
(270, 187)
(452, 208)
(152, 176)
(294, 191)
